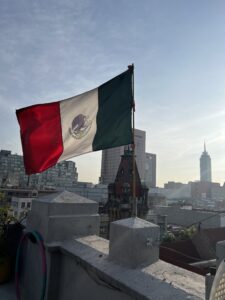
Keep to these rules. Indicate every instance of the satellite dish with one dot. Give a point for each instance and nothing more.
(218, 287)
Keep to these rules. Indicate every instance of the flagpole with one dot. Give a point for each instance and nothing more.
(134, 210)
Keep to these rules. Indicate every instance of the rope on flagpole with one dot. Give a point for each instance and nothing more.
(134, 210)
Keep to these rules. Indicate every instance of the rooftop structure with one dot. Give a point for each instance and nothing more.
(188, 217)
(85, 266)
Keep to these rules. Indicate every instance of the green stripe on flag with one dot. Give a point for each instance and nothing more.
(114, 113)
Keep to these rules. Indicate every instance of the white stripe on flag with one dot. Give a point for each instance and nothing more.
(81, 111)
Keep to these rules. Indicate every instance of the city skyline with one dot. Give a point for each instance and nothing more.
(52, 51)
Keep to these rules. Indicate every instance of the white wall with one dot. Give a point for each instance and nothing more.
(20, 205)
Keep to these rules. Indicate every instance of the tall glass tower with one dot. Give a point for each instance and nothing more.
(205, 166)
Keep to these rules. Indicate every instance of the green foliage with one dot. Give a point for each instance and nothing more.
(168, 237)
(5, 218)
(2, 196)
(183, 234)
(187, 233)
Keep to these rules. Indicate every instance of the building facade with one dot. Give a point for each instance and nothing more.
(203, 189)
(63, 174)
(11, 169)
(150, 170)
(20, 206)
(111, 158)
(205, 166)
(120, 202)
(12, 173)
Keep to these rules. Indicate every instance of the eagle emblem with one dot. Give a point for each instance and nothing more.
(80, 126)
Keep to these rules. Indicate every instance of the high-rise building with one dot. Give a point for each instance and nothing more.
(205, 166)
(111, 158)
(11, 169)
(12, 173)
(63, 174)
(150, 170)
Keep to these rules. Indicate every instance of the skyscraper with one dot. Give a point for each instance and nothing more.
(205, 166)
(150, 170)
(111, 159)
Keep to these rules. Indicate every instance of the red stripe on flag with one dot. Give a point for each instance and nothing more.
(41, 136)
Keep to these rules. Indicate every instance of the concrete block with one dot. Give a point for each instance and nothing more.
(61, 216)
(65, 227)
(134, 242)
(65, 203)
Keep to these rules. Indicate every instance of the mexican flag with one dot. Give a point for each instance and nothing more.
(95, 120)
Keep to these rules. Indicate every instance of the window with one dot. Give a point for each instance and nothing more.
(22, 204)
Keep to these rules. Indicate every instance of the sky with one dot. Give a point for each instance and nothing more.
(52, 50)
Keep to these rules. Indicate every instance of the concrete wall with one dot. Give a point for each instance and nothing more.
(185, 217)
(84, 283)
(82, 267)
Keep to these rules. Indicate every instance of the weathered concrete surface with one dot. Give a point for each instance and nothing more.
(60, 216)
(134, 242)
(62, 203)
(80, 267)
(99, 278)
(57, 217)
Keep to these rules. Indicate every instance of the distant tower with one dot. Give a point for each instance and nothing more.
(205, 166)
